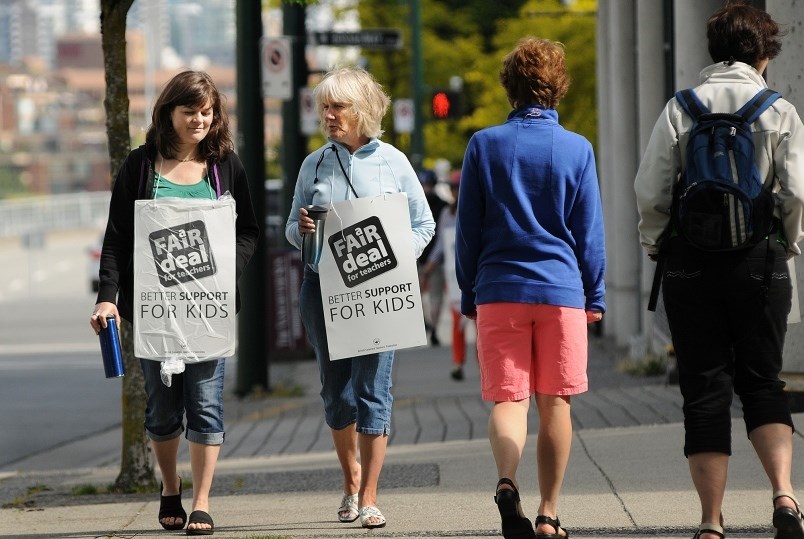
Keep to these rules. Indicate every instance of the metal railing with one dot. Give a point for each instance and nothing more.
(53, 212)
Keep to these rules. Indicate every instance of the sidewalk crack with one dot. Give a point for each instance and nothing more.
(609, 482)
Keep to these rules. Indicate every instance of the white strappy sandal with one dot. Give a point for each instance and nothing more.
(371, 512)
(348, 511)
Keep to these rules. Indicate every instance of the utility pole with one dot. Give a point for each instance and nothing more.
(252, 353)
(294, 143)
(417, 140)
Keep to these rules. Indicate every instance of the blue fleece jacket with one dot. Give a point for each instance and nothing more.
(530, 221)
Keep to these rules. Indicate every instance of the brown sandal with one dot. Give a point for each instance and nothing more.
(709, 527)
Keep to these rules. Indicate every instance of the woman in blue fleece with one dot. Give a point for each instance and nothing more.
(530, 259)
(354, 163)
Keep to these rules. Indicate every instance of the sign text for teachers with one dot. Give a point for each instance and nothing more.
(363, 252)
(182, 253)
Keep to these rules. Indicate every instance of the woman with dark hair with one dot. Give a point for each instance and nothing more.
(727, 320)
(188, 153)
(530, 262)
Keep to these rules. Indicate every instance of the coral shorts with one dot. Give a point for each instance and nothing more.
(531, 348)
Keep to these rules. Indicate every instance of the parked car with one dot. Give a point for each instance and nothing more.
(93, 267)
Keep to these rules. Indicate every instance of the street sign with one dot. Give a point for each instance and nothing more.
(276, 74)
(379, 38)
(403, 115)
(310, 123)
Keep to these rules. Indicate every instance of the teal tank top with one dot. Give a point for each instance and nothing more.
(164, 188)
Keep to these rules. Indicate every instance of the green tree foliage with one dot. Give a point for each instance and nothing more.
(575, 27)
(484, 14)
(468, 39)
(451, 44)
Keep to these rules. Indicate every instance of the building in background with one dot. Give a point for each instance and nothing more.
(52, 85)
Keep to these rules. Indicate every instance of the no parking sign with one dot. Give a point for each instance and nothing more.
(403, 115)
(276, 61)
(308, 112)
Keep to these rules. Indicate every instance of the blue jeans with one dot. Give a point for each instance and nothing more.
(356, 389)
(198, 392)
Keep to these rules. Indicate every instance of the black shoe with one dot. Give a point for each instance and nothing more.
(788, 522)
(434, 339)
(457, 374)
(200, 517)
(515, 525)
(542, 519)
(170, 506)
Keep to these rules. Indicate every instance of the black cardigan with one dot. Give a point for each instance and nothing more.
(135, 181)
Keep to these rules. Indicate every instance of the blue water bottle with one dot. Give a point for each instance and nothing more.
(110, 349)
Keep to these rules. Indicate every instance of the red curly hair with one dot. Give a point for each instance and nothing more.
(535, 72)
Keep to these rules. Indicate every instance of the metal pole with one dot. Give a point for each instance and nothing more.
(417, 140)
(252, 353)
(294, 143)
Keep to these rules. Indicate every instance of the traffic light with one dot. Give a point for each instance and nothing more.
(445, 104)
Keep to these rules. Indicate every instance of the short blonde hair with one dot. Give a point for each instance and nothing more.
(535, 72)
(356, 87)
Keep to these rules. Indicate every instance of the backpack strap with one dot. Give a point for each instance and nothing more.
(758, 104)
(691, 104)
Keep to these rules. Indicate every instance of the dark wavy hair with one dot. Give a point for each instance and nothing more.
(190, 89)
(742, 33)
(535, 72)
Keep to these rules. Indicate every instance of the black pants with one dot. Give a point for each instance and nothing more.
(728, 332)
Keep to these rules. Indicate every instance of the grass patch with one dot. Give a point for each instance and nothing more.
(25, 501)
(285, 389)
(84, 490)
(239, 484)
(650, 365)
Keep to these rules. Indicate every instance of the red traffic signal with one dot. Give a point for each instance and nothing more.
(445, 104)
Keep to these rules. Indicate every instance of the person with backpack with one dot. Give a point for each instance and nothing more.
(720, 194)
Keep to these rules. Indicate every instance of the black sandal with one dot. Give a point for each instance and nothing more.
(554, 522)
(788, 522)
(170, 506)
(515, 525)
(200, 517)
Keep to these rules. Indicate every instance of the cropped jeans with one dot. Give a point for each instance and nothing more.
(354, 390)
(197, 392)
(728, 332)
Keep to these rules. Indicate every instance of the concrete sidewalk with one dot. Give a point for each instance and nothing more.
(279, 477)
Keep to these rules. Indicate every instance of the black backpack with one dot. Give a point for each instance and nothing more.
(720, 202)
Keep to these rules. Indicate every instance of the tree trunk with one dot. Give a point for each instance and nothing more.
(136, 465)
(136, 468)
